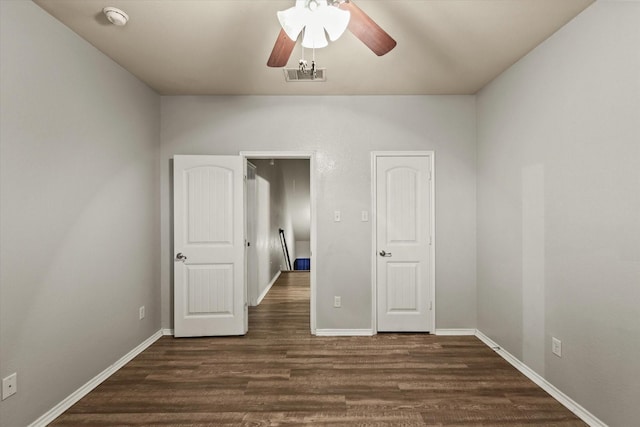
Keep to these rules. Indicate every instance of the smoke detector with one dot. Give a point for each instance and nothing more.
(116, 16)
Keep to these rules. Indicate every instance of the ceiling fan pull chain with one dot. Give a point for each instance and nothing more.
(314, 70)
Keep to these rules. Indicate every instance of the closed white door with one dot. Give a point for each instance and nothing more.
(209, 274)
(403, 243)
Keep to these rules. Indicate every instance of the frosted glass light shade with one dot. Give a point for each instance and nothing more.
(315, 21)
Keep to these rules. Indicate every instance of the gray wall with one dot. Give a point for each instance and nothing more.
(559, 210)
(79, 226)
(295, 173)
(343, 131)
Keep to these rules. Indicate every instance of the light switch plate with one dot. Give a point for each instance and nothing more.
(556, 346)
(336, 216)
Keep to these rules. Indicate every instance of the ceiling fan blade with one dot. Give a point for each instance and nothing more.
(369, 33)
(281, 50)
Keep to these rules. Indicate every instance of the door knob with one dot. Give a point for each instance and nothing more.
(383, 253)
(181, 257)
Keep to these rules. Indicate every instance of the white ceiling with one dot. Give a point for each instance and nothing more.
(220, 47)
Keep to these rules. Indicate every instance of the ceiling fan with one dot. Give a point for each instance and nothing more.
(349, 15)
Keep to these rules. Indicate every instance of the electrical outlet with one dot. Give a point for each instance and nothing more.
(556, 346)
(337, 302)
(141, 312)
(336, 216)
(365, 216)
(9, 385)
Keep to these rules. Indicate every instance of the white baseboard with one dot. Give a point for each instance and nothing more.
(70, 400)
(455, 332)
(569, 403)
(344, 332)
(167, 331)
(268, 288)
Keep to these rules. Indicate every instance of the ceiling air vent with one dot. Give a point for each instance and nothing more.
(295, 75)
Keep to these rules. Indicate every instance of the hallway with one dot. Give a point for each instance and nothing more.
(285, 309)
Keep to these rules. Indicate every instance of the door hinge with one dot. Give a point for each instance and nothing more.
(430, 175)
(430, 305)
(430, 240)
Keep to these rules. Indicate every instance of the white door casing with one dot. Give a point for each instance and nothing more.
(252, 254)
(403, 242)
(209, 250)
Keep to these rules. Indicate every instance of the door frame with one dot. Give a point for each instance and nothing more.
(311, 156)
(252, 296)
(374, 231)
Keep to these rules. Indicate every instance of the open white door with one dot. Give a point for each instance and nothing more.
(209, 274)
(403, 243)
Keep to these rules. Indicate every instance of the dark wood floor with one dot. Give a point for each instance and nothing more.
(280, 375)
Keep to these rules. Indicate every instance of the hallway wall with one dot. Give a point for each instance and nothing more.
(295, 174)
(271, 216)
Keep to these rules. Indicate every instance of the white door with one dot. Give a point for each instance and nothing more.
(209, 274)
(252, 253)
(403, 247)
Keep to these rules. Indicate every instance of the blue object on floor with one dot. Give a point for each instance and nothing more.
(302, 264)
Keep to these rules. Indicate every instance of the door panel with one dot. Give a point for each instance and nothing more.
(209, 205)
(209, 290)
(403, 290)
(209, 295)
(403, 224)
(401, 215)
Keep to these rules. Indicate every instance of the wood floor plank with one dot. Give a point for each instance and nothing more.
(280, 375)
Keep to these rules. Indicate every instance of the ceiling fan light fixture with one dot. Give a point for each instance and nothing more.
(334, 21)
(314, 37)
(292, 21)
(315, 17)
(116, 16)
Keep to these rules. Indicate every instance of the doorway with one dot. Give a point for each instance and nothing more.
(301, 242)
(278, 222)
(210, 293)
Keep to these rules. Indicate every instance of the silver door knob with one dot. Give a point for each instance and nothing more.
(181, 257)
(383, 253)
